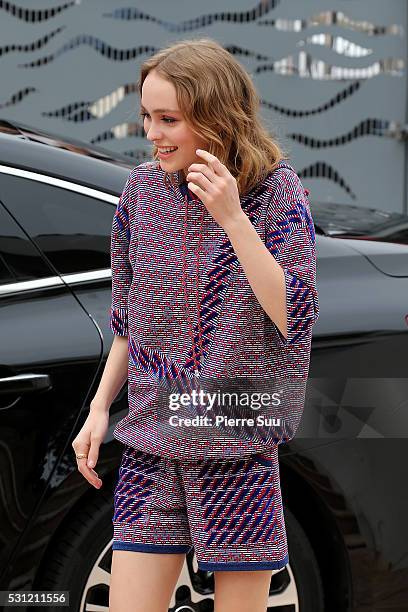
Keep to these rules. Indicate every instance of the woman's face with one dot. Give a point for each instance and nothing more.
(165, 126)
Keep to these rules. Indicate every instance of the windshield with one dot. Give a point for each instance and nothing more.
(346, 220)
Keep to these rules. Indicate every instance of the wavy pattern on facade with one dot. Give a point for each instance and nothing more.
(17, 97)
(323, 170)
(35, 15)
(334, 18)
(324, 18)
(97, 109)
(112, 53)
(326, 106)
(202, 21)
(368, 127)
(318, 89)
(305, 66)
(33, 46)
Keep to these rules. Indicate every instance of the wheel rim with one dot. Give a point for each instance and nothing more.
(194, 591)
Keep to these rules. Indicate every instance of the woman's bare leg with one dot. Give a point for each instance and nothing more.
(143, 582)
(242, 591)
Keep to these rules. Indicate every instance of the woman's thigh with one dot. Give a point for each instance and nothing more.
(242, 591)
(143, 582)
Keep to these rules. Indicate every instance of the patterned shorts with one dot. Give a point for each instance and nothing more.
(230, 510)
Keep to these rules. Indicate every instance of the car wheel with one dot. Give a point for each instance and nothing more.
(80, 563)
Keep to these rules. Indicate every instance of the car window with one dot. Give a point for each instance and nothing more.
(19, 259)
(71, 229)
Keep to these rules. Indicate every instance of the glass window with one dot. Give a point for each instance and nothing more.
(19, 259)
(71, 229)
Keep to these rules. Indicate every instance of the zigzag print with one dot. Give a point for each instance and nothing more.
(224, 265)
(146, 273)
(121, 218)
(132, 491)
(119, 319)
(300, 296)
(236, 504)
(276, 239)
(171, 376)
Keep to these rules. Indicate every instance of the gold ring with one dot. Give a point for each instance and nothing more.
(81, 456)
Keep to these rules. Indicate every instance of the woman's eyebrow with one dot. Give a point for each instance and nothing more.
(161, 110)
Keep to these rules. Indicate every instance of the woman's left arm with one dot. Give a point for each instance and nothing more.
(282, 271)
(263, 272)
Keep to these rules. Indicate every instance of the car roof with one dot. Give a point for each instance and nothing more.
(23, 146)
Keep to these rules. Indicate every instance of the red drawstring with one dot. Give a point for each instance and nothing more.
(198, 301)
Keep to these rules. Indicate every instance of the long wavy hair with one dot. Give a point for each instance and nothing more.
(219, 102)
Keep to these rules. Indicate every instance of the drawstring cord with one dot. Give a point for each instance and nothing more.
(184, 279)
(184, 282)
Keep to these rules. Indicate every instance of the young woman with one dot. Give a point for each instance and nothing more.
(213, 279)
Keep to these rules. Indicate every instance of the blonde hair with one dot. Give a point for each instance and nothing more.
(220, 104)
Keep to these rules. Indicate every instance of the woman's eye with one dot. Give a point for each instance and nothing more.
(165, 119)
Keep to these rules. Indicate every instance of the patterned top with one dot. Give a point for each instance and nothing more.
(155, 236)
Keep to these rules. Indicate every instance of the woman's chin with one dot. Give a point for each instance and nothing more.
(170, 167)
(167, 163)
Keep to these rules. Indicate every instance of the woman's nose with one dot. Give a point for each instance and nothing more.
(153, 133)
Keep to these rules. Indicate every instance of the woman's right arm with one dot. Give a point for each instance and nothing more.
(115, 372)
(114, 375)
(94, 430)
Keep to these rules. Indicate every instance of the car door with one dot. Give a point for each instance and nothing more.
(70, 224)
(50, 352)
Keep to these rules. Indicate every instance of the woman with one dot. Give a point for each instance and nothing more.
(213, 281)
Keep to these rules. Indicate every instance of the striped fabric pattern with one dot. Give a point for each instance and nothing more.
(238, 337)
(230, 511)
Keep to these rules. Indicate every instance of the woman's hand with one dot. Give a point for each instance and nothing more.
(213, 183)
(88, 441)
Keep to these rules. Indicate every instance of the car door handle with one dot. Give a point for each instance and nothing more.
(24, 383)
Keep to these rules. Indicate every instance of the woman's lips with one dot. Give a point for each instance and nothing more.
(166, 155)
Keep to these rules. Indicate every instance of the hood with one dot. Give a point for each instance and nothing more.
(380, 236)
(359, 223)
(389, 258)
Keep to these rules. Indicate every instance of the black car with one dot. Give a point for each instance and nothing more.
(343, 476)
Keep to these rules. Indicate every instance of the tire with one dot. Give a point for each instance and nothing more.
(83, 549)
(302, 571)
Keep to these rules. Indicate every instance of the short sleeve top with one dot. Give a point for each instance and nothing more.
(190, 314)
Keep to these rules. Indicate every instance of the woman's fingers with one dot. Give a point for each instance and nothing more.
(88, 473)
(93, 453)
(87, 443)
